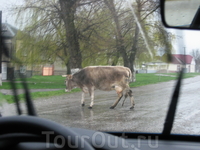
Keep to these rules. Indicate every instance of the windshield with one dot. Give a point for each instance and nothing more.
(68, 51)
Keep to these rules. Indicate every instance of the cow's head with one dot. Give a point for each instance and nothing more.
(70, 83)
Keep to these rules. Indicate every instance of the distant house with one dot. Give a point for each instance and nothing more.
(178, 61)
(10, 71)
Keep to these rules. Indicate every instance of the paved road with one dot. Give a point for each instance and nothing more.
(148, 115)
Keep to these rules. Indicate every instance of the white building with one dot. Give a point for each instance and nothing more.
(178, 61)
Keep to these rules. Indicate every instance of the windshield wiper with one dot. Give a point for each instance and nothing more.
(4, 50)
(172, 107)
(30, 107)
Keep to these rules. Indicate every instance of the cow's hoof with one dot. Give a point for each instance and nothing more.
(112, 107)
(132, 107)
(82, 105)
(89, 107)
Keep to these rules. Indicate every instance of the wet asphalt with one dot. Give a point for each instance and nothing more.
(151, 105)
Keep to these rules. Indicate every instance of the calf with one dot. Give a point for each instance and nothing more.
(104, 78)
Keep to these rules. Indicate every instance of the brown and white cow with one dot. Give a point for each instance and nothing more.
(104, 78)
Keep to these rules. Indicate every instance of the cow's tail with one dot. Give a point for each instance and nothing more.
(130, 77)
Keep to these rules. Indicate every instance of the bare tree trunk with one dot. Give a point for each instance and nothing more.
(134, 48)
(134, 52)
(68, 9)
(119, 38)
(68, 68)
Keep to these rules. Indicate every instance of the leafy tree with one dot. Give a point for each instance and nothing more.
(53, 22)
(135, 31)
(91, 32)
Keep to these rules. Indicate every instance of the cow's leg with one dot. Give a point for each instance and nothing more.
(130, 93)
(125, 96)
(83, 99)
(119, 91)
(127, 89)
(91, 91)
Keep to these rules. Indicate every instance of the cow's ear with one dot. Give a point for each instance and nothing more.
(69, 77)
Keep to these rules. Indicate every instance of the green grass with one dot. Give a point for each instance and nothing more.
(57, 82)
(39, 82)
(145, 79)
(151, 78)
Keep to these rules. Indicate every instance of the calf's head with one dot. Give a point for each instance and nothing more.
(70, 83)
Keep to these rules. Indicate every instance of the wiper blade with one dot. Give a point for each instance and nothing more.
(4, 50)
(172, 108)
(29, 104)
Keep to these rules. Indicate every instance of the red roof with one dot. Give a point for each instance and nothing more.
(181, 59)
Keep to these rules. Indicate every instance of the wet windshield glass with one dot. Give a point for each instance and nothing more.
(53, 40)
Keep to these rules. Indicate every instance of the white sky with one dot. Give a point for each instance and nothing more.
(6, 15)
(192, 40)
(185, 38)
(188, 39)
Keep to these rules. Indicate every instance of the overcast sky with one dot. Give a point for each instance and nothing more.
(6, 15)
(188, 39)
(185, 38)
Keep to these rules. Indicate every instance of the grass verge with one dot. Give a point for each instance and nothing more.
(39, 82)
(151, 78)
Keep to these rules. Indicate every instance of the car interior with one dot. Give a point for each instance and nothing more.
(30, 132)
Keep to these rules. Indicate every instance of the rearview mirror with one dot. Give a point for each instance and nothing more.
(182, 14)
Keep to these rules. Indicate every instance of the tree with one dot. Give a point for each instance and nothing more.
(135, 30)
(43, 34)
(55, 22)
(120, 46)
(67, 13)
(92, 26)
(92, 32)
